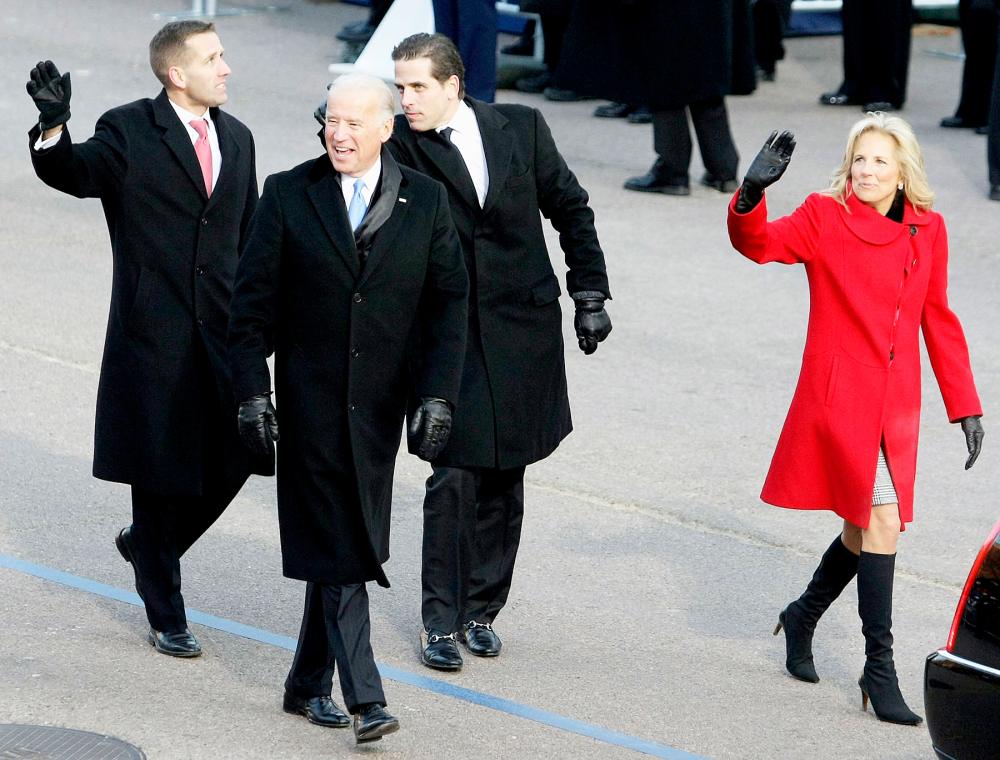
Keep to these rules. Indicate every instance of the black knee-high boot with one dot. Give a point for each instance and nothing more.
(799, 618)
(878, 682)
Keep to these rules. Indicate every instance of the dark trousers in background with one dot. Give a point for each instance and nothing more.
(978, 21)
(993, 140)
(472, 529)
(336, 634)
(770, 20)
(672, 140)
(472, 26)
(876, 50)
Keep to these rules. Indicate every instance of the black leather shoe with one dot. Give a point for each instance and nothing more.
(360, 31)
(880, 105)
(837, 99)
(613, 111)
(440, 650)
(654, 182)
(123, 542)
(722, 185)
(322, 711)
(533, 84)
(372, 722)
(559, 95)
(641, 115)
(957, 122)
(176, 644)
(983, 130)
(995, 192)
(481, 640)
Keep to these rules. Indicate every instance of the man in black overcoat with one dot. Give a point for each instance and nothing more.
(351, 260)
(501, 168)
(177, 181)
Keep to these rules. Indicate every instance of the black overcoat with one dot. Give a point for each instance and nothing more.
(175, 252)
(341, 335)
(662, 53)
(513, 408)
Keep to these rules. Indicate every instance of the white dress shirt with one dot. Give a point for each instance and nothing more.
(466, 137)
(371, 182)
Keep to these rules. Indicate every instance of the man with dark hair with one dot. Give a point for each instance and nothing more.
(177, 181)
(348, 256)
(501, 168)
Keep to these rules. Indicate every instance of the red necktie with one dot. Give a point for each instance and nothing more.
(204, 152)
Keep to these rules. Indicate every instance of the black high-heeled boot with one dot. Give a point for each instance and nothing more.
(799, 618)
(878, 682)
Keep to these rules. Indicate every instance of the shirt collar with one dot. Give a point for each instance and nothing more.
(370, 177)
(187, 117)
(463, 121)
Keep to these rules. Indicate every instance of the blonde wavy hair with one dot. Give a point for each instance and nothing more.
(908, 155)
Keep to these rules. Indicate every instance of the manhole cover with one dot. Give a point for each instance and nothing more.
(49, 743)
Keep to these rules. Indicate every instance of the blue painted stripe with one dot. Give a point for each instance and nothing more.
(425, 683)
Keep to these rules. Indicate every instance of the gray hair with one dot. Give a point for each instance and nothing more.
(378, 87)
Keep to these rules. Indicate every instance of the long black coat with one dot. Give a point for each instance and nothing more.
(175, 252)
(662, 53)
(341, 337)
(513, 408)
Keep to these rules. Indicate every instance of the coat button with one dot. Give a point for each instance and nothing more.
(204, 221)
(357, 298)
(913, 229)
(201, 321)
(199, 270)
(892, 355)
(355, 353)
(352, 407)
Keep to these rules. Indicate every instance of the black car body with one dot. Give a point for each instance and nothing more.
(962, 680)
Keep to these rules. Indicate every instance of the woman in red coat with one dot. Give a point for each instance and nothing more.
(876, 257)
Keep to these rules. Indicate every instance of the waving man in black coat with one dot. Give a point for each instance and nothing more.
(501, 168)
(177, 181)
(349, 257)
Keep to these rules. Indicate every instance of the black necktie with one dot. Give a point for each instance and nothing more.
(458, 163)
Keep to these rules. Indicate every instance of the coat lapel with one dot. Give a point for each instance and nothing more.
(230, 155)
(175, 135)
(328, 200)
(872, 227)
(498, 144)
(450, 166)
(384, 217)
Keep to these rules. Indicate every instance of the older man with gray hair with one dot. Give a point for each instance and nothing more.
(353, 276)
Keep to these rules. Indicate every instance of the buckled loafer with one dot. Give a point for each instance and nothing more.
(837, 99)
(175, 643)
(123, 542)
(372, 722)
(481, 640)
(440, 650)
(722, 185)
(322, 711)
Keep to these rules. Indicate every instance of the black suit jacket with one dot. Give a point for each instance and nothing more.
(161, 399)
(513, 408)
(341, 334)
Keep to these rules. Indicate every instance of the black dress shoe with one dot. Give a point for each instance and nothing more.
(481, 640)
(534, 84)
(837, 99)
(559, 95)
(176, 644)
(322, 711)
(654, 181)
(613, 110)
(359, 31)
(123, 542)
(957, 122)
(995, 192)
(983, 130)
(880, 105)
(440, 650)
(722, 185)
(372, 722)
(641, 115)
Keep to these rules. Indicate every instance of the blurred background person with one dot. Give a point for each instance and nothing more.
(978, 22)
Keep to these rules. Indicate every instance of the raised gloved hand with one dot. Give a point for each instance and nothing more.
(258, 424)
(51, 91)
(431, 424)
(765, 170)
(592, 322)
(973, 430)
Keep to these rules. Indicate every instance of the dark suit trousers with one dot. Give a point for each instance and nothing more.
(472, 26)
(672, 140)
(472, 529)
(164, 526)
(993, 140)
(979, 39)
(336, 632)
(876, 50)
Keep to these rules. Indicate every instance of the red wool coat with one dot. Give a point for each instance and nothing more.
(872, 283)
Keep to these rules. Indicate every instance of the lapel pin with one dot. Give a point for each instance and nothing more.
(402, 200)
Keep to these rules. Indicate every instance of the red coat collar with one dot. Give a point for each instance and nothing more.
(872, 227)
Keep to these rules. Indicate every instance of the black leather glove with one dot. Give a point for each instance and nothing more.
(258, 424)
(973, 430)
(431, 424)
(765, 170)
(592, 322)
(51, 92)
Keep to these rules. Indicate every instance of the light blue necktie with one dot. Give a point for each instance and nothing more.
(356, 211)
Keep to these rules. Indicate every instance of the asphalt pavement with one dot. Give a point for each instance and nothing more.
(650, 574)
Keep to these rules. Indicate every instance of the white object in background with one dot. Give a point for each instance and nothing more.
(405, 17)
